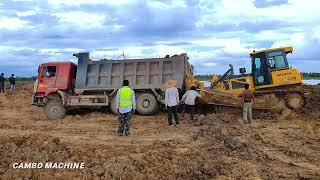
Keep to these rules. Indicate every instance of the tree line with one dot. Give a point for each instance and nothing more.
(312, 75)
(33, 78)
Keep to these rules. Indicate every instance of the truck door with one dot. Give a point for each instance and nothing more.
(48, 77)
(261, 70)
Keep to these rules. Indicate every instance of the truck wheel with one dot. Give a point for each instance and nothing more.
(295, 101)
(113, 105)
(55, 110)
(147, 104)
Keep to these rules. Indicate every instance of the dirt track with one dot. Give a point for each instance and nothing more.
(217, 146)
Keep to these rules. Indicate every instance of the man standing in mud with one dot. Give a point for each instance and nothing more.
(12, 81)
(172, 101)
(247, 101)
(126, 105)
(2, 79)
(189, 99)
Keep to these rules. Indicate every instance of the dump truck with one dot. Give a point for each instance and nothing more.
(61, 86)
(271, 75)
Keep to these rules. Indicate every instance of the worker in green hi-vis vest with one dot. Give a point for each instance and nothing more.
(126, 106)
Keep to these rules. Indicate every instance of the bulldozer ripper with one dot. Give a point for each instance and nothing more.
(48, 165)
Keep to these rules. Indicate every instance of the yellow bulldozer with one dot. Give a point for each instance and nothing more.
(271, 74)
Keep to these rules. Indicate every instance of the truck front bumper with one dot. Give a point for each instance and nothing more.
(37, 101)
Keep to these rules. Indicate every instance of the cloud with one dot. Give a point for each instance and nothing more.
(212, 33)
(83, 20)
(305, 47)
(210, 64)
(268, 3)
(12, 23)
(60, 3)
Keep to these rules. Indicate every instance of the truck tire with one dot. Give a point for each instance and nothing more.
(113, 105)
(147, 104)
(55, 110)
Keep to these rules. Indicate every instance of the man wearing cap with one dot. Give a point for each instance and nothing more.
(171, 101)
(126, 105)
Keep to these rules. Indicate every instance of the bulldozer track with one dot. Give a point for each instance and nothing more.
(283, 93)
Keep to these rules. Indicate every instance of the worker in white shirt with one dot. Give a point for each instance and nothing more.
(189, 99)
(172, 101)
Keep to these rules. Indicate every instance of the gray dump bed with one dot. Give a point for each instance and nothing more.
(142, 73)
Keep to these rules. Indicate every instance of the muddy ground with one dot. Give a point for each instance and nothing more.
(217, 146)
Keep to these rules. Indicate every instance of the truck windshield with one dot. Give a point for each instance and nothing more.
(276, 60)
(49, 71)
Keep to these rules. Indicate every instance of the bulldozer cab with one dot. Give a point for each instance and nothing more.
(266, 61)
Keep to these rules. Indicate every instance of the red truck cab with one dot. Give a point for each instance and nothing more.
(53, 79)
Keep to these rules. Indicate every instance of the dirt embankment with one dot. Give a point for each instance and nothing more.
(217, 146)
(313, 102)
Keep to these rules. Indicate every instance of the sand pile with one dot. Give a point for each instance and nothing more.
(312, 110)
(161, 159)
(249, 147)
(22, 96)
(32, 148)
(45, 148)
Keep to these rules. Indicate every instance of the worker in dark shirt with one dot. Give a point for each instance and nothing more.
(12, 81)
(2, 79)
(247, 101)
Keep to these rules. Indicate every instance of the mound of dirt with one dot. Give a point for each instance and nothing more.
(313, 102)
(160, 160)
(22, 96)
(45, 148)
(31, 148)
(256, 152)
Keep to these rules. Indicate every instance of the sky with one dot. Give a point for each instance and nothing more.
(214, 33)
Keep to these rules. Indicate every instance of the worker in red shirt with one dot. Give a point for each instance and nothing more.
(247, 102)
